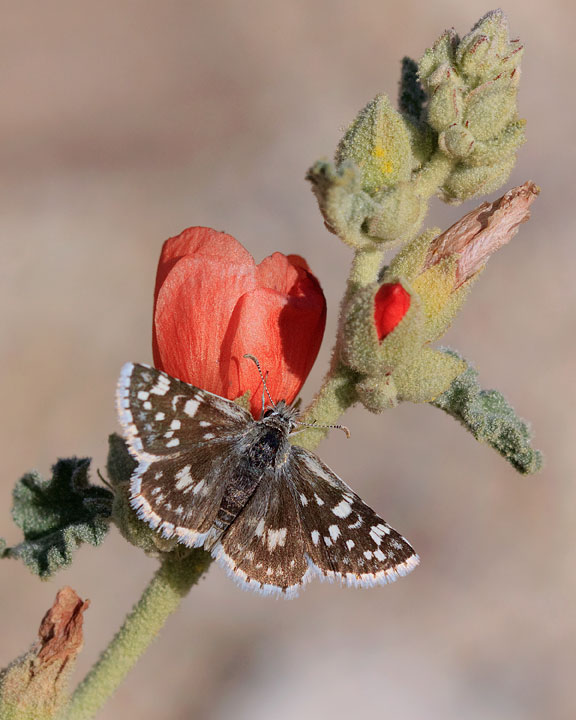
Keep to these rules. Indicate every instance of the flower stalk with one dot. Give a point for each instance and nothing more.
(172, 582)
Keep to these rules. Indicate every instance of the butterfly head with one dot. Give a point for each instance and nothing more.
(280, 415)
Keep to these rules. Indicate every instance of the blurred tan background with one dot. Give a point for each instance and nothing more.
(124, 122)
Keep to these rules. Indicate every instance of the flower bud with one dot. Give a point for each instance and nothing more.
(391, 303)
(489, 108)
(379, 142)
(468, 181)
(487, 50)
(446, 98)
(398, 214)
(500, 148)
(456, 141)
(441, 53)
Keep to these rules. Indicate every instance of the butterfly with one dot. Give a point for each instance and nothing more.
(271, 513)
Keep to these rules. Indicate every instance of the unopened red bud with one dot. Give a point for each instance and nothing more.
(391, 303)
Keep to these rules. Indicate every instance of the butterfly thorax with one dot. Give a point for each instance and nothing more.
(264, 447)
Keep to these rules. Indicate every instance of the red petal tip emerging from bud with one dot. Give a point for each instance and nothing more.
(391, 303)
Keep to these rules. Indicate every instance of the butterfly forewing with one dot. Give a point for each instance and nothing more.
(163, 416)
(344, 537)
(184, 440)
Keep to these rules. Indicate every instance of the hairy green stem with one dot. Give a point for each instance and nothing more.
(161, 598)
(365, 268)
(336, 395)
(433, 174)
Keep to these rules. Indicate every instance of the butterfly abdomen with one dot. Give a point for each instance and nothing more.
(255, 455)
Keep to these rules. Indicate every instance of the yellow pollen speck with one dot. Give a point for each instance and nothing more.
(380, 152)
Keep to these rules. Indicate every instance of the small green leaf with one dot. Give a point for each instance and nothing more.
(58, 515)
(489, 417)
(120, 464)
(411, 96)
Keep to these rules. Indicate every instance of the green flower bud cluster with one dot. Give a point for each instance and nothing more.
(472, 86)
(456, 132)
(367, 197)
(387, 147)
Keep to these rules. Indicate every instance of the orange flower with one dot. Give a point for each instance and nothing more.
(213, 304)
(391, 303)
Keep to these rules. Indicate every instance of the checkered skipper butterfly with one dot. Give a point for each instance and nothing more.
(271, 513)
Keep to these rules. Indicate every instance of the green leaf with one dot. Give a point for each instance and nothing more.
(490, 418)
(120, 464)
(57, 516)
(411, 95)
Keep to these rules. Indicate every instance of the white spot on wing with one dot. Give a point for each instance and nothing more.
(276, 537)
(175, 424)
(198, 487)
(191, 407)
(343, 509)
(173, 443)
(376, 537)
(162, 386)
(334, 531)
(315, 536)
(143, 395)
(184, 478)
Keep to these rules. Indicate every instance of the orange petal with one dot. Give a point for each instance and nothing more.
(284, 332)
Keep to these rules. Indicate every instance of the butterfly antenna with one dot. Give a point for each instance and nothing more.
(255, 361)
(330, 427)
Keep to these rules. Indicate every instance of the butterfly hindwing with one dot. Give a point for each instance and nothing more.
(345, 539)
(264, 549)
(180, 496)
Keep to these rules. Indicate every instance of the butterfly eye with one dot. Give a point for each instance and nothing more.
(268, 412)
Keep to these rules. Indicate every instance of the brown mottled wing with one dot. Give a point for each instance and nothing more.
(263, 549)
(184, 440)
(344, 538)
(160, 415)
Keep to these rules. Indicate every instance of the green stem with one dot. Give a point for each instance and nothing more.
(365, 268)
(338, 391)
(433, 174)
(161, 598)
(336, 395)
